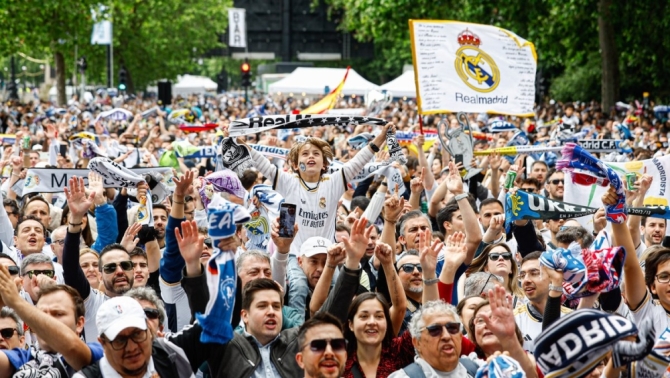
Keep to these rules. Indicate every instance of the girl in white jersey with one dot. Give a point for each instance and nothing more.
(315, 194)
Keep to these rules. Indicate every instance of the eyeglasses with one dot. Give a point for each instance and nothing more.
(409, 268)
(59, 242)
(7, 333)
(556, 182)
(435, 330)
(528, 190)
(663, 278)
(48, 273)
(13, 270)
(151, 313)
(533, 273)
(496, 255)
(121, 341)
(320, 345)
(111, 267)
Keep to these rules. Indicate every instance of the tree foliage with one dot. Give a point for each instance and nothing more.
(564, 32)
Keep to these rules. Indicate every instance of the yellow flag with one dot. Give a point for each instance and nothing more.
(329, 101)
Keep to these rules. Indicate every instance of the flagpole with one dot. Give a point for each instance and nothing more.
(111, 47)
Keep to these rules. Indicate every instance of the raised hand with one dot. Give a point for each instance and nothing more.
(95, 185)
(419, 141)
(283, 244)
(336, 255)
(9, 293)
(384, 254)
(393, 206)
(416, 185)
(428, 252)
(610, 197)
(495, 161)
(381, 138)
(645, 183)
(357, 242)
(191, 243)
(130, 239)
(50, 131)
(76, 197)
(182, 186)
(599, 220)
(456, 251)
(501, 319)
(454, 180)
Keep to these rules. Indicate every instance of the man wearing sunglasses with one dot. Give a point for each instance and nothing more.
(436, 335)
(32, 267)
(11, 330)
(555, 185)
(323, 348)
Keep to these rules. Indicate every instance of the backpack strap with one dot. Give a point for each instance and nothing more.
(469, 365)
(356, 372)
(414, 370)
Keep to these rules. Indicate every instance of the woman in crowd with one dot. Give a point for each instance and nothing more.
(88, 261)
(498, 259)
(466, 309)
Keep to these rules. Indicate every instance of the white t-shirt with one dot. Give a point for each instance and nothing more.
(652, 308)
(92, 304)
(531, 326)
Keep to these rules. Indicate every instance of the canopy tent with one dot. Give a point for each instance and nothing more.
(314, 80)
(189, 84)
(402, 86)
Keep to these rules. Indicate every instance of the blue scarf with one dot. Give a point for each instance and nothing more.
(578, 161)
(501, 367)
(221, 274)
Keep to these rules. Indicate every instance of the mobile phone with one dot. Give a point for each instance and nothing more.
(286, 220)
(63, 150)
(458, 158)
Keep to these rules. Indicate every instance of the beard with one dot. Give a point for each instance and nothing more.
(109, 286)
(314, 372)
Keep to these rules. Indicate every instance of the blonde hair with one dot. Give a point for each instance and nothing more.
(84, 251)
(322, 145)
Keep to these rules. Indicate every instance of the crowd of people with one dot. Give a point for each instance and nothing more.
(421, 279)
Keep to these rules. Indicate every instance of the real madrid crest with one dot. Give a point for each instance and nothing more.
(322, 202)
(475, 67)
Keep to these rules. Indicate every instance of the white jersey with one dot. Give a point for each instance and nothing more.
(176, 302)
(316, 203)
(531, 326)
(92, 304)
(652, 309)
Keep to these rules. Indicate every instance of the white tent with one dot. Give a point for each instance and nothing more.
(189, 84)
(402, 86)
(313, 81)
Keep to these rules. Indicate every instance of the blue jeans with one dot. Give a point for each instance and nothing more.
(298, 288)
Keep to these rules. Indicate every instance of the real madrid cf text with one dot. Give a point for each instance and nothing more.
(480, 99)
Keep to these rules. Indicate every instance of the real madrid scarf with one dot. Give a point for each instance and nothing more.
(292, 121)
(263, 204)
(657, 363)
(524, 205)
(501, 367)
(220, 181)
(586, 272)
(579, 163)
(574, 344)
(221, 274)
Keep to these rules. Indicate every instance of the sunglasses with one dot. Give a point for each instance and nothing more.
(556, 182)
(151, 313)
(435, 330)
(7, 333)
(48, 273)
(409, 268)
(208, 242)
(111, 267)
(528, 190)
(13, 270)
(320, 345)
(495, 256)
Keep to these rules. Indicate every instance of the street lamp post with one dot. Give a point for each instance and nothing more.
(11, 86)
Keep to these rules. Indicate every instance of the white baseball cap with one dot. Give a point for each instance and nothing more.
(119, 313)
(314, 246)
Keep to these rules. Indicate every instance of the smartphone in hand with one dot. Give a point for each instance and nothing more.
(286, 220)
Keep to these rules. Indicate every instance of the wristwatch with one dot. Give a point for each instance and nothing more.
(374, 147)
(555, 288)
(431, 281)
(460, 196)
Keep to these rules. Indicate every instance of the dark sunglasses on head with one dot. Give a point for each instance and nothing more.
(7, 333)
(528, 190)
(48, 273)
(111, 267)
(320, 345)
(409, 268)
(13, 270)
(208, 242)
(435, 330)
(556, 181)
(151, 313)
(496, 255)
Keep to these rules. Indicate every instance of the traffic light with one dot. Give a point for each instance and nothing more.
(123, 74)
(82, 65)
(245, 68)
